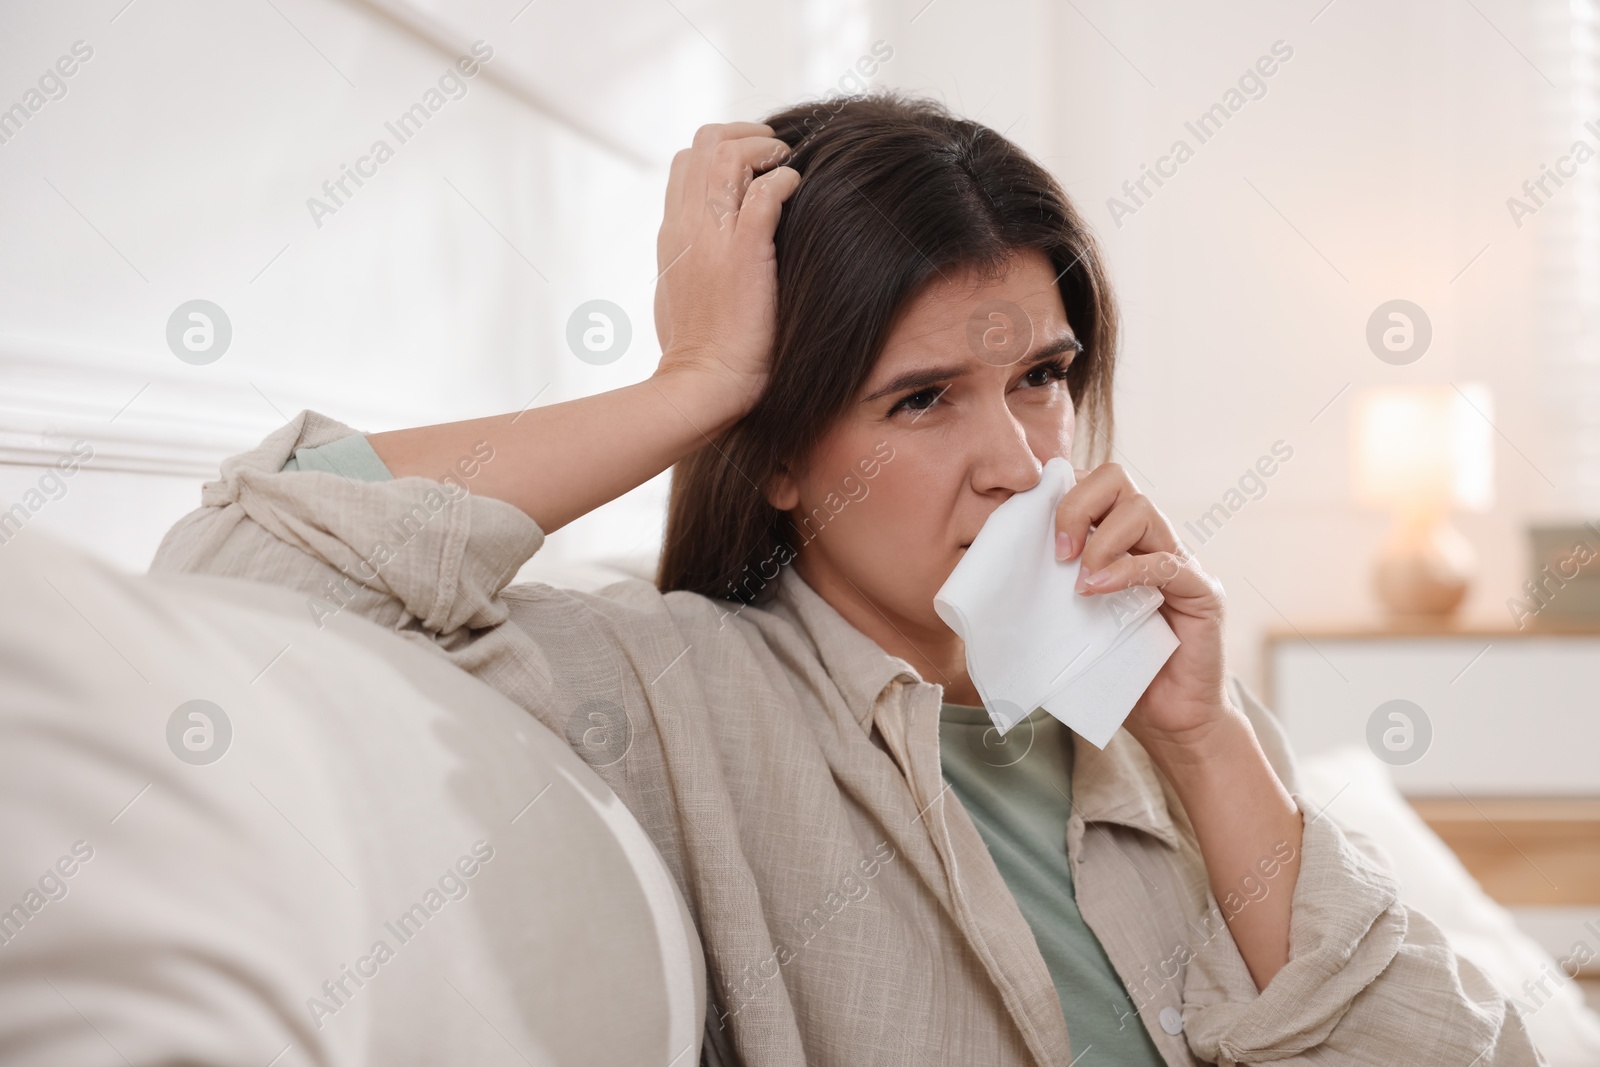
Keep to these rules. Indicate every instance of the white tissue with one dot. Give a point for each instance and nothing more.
(1032, 639)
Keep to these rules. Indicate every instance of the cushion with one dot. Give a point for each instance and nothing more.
(233, 836)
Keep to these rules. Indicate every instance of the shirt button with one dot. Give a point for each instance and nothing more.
(1171, 1020)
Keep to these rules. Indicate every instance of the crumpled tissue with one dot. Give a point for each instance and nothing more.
(1032, 639)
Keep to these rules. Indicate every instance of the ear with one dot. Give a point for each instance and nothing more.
(783, 492)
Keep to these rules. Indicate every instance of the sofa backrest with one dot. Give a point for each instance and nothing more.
(229, 834)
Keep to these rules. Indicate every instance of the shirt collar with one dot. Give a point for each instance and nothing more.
(857, 664)
(1117, 785)
(1121, 785)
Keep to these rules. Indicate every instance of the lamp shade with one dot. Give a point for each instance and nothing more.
(1423, 449)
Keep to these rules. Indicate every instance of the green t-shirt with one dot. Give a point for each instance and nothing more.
(350, 456)
(1018, 790)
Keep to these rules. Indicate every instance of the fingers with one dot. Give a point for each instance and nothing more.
(730, 168)
(706, 138)
(1133, 526)
(715, 171)
(1179, 577)
(1131, 542)
(680, 166)
(1098, 494)
(713, 132)
(763, 203)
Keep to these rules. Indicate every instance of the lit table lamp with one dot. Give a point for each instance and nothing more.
(1419, 452)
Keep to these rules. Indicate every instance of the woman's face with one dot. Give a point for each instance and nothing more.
(962, 410)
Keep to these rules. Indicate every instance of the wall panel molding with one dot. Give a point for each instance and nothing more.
(139, 420)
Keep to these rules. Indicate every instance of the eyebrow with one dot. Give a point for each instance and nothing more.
(917, 380)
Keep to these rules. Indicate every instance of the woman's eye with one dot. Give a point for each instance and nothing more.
(1045, 373)
(1042, 375)
(917, 401)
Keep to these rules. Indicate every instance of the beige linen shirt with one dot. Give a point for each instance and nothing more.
(787, 768)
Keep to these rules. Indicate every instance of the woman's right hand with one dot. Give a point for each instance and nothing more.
(716, 298)
(716, 305)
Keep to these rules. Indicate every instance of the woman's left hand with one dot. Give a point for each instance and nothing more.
(1134, 544)
(1202, 743)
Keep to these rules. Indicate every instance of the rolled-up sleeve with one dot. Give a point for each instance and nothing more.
(410, 553)
(1368, 981)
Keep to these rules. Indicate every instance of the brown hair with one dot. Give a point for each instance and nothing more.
(894, 190)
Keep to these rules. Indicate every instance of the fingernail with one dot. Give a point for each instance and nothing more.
(1086, 582)
(1063, 546)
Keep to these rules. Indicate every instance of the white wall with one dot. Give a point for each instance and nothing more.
(179, 165)
(1377, 166)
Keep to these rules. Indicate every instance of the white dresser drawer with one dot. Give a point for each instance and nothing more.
(1510, 714)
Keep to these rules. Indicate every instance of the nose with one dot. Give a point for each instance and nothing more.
(1005, 458)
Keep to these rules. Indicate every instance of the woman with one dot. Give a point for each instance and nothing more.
(878, 322)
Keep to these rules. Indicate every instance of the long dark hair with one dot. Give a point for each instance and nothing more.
(894, 190)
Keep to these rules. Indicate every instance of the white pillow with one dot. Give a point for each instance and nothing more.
(1361, 798)
(156, 908)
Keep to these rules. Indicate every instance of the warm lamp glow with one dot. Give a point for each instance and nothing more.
(1424, 449)
(1420, 451)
